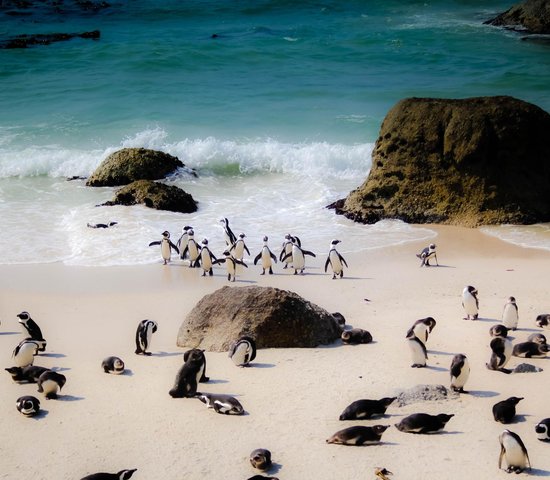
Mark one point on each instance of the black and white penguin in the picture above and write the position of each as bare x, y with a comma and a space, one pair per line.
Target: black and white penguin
260, 458
358, 435
113, 365
460, 371
231, 265
28, 374
514, 453
470, 302
501, 353
423, 423
425, 255
243, 351
505, 411
28, 405
418, 350
32, 330
498, 330
537, 338
182, 241
101, 225
50, 383
382, 473
298, 255
144, 332
422, 328
166, 247
239, 247
286, 251
530, 350
122, 475
24, 353
229, 237
335, 260
192, 249
206, 258
225, 404
543, 320
198, 353
356, 336
189, 375
267, 257
542, 430
365, 408
510, 315
339, 319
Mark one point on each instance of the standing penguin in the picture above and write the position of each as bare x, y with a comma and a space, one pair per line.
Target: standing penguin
298, 256
166, 246
510, 314
229, 236
231, 265
24, 353
266, 255
243, 351
418, 350
144, 331
189, 375
206, 259
460, 371
422, 328
335, 260
31, 328
182, 242
286, 251
513, 451
425, 255
192, 249
239, 247
501, 353
470, 302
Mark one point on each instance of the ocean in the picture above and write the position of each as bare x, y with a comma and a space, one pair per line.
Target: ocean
275, 104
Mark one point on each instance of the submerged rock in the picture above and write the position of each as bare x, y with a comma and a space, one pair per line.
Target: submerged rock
25, 41
530, 16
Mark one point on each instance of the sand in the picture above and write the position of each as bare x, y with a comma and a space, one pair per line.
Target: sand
293, 397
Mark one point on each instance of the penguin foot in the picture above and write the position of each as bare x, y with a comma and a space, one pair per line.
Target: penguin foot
263, 273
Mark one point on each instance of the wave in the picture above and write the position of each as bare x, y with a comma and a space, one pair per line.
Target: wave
526, 236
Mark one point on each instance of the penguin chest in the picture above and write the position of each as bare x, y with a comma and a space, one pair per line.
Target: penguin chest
200, 372
193, 250
470, 304
206, 260
421, 332
510, 317
298, 260
25, 356
231, 266
49, 387
418, 354
335, 261
266, 258
241, 355
239, 249
460, 380
513, 453
165, 249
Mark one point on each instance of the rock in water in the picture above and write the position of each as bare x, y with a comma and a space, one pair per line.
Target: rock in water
530, 16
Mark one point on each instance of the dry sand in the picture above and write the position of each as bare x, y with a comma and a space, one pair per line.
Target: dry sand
293, 397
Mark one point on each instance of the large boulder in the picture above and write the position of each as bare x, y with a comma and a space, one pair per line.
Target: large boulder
464, 162
130, 164
531, 16
155, 195
273, 317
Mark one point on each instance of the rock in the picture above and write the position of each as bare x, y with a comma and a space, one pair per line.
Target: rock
530, 16
131, 164
463, 162
24, 41
273, 317
155, 195
526, 368
424, 393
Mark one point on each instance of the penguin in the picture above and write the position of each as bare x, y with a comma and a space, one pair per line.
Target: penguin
422, 328
470, 302
530, 350
144, 331
113, 365
239, 247
501, 352
537, 338
192, 249
182, 242
339, 319
513, 451
298, 256
425, 255
229, 236
231, 265
101, 225
198, 353
225, 404
335, 260
542, 430
260, 458
498, 330
382, 473
418, 350
543, 320
356, 336
50, 383
358, 435
189, 375
266, 255
243, 351
510, 314
28, 374
31, 329
505, 411
365, 408
206, 258
286, 251
423, 423
24, 353
166, 247
460, 371
122, 475
28, 405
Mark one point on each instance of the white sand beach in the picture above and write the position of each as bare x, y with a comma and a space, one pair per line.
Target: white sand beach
293, 397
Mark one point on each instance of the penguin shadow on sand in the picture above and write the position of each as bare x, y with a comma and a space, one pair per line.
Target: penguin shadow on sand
52, 355
40, 415
69, 398
436, 368
164, 354
482, 393
260, 365
217, 380
10, 333
538, 472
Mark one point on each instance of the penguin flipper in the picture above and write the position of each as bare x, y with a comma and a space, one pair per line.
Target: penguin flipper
343, 260
173, 247
272, 255
240, 262
156, 242
307, 252
288, 255
326, 264
219, 260
257, 257
246, 248
502, 452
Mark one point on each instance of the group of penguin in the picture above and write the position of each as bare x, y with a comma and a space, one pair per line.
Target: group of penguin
200, 256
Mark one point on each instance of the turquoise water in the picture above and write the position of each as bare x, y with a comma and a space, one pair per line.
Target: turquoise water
260, 96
